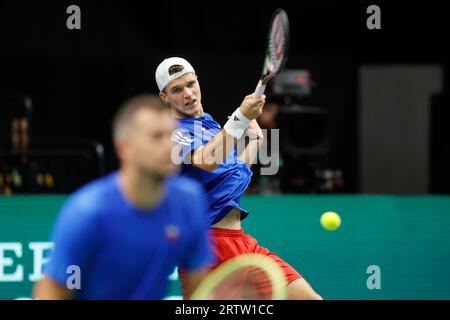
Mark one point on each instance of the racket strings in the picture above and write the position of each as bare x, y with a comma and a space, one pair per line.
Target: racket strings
247, 283
230, 288
277, 41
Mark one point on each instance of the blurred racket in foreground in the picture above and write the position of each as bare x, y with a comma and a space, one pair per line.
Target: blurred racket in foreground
245, 277
277, 48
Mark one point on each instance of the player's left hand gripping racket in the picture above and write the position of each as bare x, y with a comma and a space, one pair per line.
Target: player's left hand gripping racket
277, 48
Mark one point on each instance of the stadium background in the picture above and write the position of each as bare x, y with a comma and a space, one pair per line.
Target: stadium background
76, 79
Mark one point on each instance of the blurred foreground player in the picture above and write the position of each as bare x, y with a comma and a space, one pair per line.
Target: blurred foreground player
126, 232
209, 156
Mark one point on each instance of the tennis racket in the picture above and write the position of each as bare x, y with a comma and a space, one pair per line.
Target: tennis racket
277, 48
245, 277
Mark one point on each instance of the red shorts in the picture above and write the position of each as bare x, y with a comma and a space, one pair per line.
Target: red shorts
230, 243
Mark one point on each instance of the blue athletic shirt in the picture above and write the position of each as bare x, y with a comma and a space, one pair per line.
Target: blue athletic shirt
124, 252
226, 184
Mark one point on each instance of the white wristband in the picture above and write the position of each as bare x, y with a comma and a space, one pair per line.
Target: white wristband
237, 124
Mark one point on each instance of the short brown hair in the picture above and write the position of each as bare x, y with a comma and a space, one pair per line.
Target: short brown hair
175, 69
123, 119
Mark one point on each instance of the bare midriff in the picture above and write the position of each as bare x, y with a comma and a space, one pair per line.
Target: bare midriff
231, 221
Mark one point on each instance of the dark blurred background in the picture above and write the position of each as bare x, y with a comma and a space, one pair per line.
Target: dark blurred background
372, 119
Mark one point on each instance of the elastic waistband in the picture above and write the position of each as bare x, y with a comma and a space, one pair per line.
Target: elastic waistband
218, 232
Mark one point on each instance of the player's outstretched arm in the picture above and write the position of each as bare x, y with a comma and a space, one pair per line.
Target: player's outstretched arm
211, 155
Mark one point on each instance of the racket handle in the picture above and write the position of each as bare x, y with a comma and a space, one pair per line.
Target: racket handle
260, 88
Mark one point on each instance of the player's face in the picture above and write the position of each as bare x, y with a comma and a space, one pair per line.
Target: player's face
184, 96
150, 144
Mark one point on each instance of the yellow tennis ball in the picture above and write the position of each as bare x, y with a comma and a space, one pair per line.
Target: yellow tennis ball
330, 220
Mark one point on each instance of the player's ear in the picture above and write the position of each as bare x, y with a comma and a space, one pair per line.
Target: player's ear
121, 149
164, 97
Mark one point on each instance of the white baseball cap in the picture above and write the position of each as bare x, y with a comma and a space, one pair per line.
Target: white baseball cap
162, 76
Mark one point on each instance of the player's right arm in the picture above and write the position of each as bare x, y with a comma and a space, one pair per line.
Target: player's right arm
198, 256
75, 240
211, 155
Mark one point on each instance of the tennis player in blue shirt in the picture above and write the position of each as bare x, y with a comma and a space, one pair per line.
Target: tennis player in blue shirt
208, 154
123, 235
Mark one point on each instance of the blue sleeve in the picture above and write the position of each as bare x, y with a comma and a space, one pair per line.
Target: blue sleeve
187, 137
74, 236
199, 253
